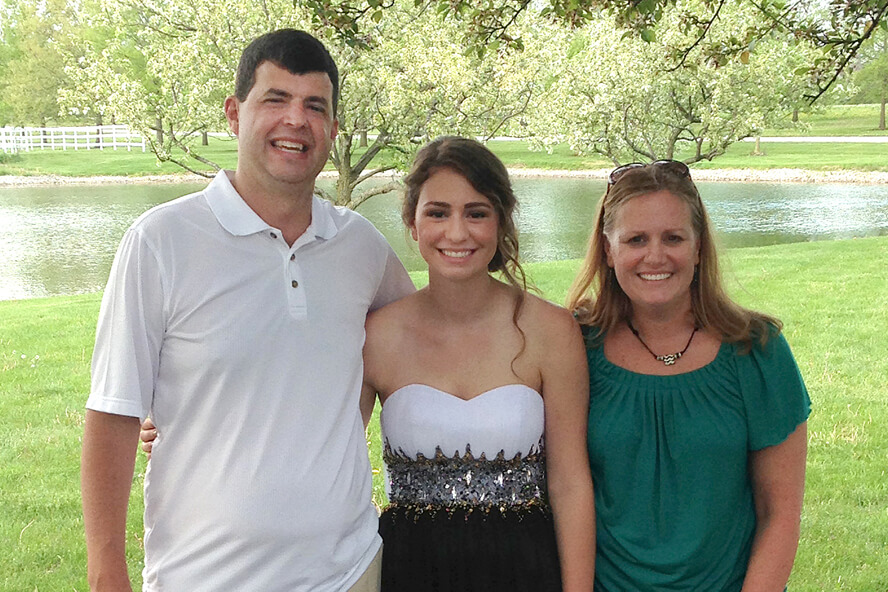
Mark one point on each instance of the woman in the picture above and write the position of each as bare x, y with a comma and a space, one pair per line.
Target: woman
697, 420
472, 373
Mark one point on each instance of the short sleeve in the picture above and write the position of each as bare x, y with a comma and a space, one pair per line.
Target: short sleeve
773, 391
395, 282
129, 332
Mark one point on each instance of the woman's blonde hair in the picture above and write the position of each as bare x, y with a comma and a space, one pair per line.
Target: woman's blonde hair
596, 297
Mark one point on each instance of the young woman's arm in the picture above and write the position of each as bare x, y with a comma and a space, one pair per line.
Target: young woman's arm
565, 377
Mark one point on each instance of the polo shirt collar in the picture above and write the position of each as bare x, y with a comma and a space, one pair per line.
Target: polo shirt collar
239, 219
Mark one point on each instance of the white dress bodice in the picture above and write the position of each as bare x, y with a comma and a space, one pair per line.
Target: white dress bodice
419, 419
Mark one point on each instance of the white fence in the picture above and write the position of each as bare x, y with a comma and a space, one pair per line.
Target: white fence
96, 137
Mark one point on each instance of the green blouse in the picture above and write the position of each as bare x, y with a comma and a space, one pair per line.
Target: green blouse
669, 455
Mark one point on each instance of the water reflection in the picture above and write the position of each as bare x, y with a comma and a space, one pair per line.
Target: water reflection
61, 240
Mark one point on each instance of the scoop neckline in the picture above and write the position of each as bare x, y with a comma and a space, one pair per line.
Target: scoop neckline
705, 367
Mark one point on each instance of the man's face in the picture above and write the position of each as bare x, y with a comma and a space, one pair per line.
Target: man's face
285, 127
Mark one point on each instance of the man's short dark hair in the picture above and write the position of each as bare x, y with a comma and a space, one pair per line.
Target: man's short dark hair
296, 51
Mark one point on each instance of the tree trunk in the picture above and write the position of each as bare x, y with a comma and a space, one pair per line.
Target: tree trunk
99, 129
363, 141
343, 167
204, 139
757, 151
158, 130
795, 115
882, 113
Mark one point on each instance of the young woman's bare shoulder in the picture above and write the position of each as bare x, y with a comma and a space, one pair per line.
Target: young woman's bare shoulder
547, 317
391, 315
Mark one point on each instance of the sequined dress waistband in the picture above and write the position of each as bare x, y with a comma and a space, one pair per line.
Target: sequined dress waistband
463, 481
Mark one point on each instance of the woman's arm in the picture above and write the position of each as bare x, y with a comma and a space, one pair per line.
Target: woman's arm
778, 485
565, 377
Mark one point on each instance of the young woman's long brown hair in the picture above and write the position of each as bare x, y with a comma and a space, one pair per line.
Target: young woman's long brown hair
489, 177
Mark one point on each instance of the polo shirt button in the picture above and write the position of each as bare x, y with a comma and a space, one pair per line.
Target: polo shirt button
273, 235
294, 283
293, 257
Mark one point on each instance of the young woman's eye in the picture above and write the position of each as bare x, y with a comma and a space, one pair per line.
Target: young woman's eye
479, 214
435, 213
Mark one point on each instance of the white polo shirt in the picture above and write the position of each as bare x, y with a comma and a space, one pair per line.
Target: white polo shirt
246, 352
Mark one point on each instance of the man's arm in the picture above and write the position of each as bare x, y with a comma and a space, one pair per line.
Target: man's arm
106, 477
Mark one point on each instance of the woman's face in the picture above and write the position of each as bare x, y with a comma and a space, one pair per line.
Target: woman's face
455, 226
653, 250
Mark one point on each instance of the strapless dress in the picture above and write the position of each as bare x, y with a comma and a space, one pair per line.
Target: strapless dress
466, 481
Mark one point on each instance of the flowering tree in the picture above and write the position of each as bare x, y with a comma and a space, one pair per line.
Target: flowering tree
838, 28
619, 97
166, 67
873, 74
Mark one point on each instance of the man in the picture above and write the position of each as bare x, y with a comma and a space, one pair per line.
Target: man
234, 316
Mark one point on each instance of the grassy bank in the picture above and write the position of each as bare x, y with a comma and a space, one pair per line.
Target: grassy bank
835, 120
839, 120
833, 297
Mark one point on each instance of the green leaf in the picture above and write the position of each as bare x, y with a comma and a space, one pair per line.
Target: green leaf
648, 35
576, 46
646, 6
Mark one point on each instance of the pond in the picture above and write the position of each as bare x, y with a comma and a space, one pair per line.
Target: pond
61, 240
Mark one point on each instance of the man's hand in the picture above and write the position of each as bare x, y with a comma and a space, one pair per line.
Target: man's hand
147, 435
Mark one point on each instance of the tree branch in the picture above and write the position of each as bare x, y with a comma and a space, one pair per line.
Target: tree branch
364, 196
702, 36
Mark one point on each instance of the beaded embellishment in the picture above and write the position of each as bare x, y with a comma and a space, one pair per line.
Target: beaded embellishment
464, 482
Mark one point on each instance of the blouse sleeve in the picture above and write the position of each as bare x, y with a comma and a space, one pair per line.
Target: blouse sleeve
774, 393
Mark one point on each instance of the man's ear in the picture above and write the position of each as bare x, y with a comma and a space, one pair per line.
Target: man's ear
231, 113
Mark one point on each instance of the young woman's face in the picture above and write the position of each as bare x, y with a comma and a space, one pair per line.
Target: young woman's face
455, 226
653, 250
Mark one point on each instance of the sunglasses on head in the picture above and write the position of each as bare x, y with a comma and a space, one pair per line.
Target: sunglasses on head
675, 167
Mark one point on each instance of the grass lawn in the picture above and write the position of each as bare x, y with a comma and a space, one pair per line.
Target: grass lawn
831, 121
825, 157
797, 155
835, 120
833, 297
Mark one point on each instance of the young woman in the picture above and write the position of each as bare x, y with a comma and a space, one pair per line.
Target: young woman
484, 394
697, 420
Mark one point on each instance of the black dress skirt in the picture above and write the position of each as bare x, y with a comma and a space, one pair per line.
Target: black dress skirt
459, 524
